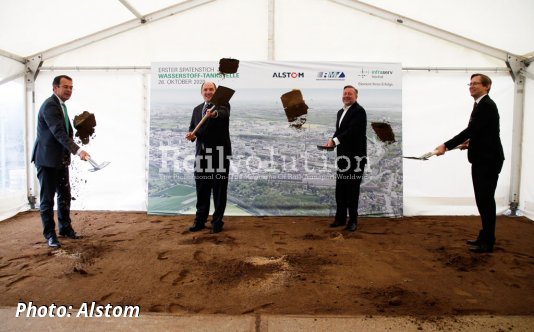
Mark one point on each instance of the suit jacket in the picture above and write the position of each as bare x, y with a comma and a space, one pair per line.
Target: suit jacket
483, 134
352, 132
54, 142
214, 132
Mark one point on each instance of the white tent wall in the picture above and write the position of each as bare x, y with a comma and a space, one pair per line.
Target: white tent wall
437, 106
119, 102
304, 30
13, 192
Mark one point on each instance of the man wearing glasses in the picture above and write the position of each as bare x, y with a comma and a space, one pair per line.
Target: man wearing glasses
51, 155
485, 153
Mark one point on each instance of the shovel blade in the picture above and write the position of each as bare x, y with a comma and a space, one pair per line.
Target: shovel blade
97, 167
416, 158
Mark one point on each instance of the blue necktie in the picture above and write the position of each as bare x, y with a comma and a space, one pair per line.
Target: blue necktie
205, 109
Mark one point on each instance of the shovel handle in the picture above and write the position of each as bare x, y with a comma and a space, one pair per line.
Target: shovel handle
204, 118
435, 152
92, 162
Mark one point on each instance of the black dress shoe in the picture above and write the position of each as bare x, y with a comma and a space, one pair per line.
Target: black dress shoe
337, 224
196, 227
71, 234
473, 242
53, 242
217, 227
481, 248
351, 227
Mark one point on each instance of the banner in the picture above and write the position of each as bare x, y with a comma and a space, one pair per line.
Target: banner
276, 168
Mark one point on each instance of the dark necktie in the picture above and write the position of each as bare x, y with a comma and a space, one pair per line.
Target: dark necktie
472, 112
206, 107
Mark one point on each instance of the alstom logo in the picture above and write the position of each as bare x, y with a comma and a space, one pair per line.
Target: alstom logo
288, 75
331, 75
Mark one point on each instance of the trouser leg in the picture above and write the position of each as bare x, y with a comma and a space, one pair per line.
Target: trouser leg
63, 200
48, 181
485, 177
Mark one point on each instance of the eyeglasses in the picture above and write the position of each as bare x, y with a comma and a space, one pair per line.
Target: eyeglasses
474, 83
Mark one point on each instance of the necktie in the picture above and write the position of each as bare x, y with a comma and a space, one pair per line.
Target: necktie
66, 116
473, 111
206, 106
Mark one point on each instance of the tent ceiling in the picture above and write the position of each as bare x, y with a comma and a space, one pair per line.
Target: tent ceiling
505, 25
32, 26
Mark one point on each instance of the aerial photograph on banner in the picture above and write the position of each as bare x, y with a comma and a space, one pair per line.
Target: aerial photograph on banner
276, 167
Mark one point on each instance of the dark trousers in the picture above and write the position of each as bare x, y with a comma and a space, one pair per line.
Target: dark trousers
348, 191
54, 181
208, 181
485, 176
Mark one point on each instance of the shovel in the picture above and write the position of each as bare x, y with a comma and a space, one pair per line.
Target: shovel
96, 166
423, 157
427, 155
221, 96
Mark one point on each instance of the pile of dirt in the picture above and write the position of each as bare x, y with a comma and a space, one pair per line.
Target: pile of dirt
85, 124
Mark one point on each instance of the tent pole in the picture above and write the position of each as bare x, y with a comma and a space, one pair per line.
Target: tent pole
270, 31
33, 66
517, 68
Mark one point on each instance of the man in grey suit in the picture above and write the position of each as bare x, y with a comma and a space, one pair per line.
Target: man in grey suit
51, 155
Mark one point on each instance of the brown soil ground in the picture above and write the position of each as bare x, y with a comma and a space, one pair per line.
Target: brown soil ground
416, 266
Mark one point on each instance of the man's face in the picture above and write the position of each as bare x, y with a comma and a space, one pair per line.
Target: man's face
64, 89
208, 89
476, 88
349, 96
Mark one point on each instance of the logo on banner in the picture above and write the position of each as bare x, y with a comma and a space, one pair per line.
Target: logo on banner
363, 73
379, 73
330, 76
288, 75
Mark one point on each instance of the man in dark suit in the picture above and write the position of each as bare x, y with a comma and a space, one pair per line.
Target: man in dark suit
212, 163
51, 155
351, 142
485, 153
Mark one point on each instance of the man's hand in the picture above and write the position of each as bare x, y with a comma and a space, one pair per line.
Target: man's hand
330, 143
84, 155
464, 145
441, 149
190, 136
212, 114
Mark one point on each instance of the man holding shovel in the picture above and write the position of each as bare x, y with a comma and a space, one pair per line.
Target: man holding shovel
51, 155
485, 153
212, 163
